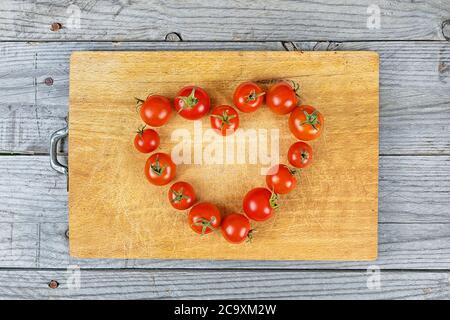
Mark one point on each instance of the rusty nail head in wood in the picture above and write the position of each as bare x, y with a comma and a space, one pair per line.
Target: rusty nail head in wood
53, 284
56, 26
48, 81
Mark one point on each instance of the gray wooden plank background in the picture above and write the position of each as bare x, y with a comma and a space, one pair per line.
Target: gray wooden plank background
215, 20
414, 89
210, 284
414, 193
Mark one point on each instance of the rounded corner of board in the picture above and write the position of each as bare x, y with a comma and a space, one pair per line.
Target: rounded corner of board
374, 55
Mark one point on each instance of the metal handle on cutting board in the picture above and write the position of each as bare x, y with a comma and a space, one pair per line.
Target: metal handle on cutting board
54, 139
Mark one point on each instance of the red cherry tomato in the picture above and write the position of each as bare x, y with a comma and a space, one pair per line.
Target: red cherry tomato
160, 169
155, 110
300, 154
224, 120
204, 217
306, 123
192, 102
181, 195
259, 204
281, 179
282, 97
146, 140
236, 228
248, 97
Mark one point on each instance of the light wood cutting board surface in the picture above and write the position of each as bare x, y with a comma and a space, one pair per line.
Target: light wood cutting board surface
115, 212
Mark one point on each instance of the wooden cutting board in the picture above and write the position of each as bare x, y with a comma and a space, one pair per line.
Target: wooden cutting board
114, 211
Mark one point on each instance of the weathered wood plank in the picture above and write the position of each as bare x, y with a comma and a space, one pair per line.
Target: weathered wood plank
411, 190
414, 94
223, 20
401, 246
30, 109
19, 244
116, 178
414, 189
414, 90
33, 193
413, 231
122, 284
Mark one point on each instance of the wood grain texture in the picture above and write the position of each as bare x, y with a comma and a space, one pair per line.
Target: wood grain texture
122, 284
408, 246
414, 117
19, 245
34, 192
223, 20
30, 110
408, 73
413, 231
414, 89
37, 194
413, 191
115, 213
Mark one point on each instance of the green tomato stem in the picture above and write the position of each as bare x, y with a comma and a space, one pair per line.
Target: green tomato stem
140, 130
253, 96
205, 224
312, 119
296, 87
273, 200
224, 117
190, 101
156, 167
179, 196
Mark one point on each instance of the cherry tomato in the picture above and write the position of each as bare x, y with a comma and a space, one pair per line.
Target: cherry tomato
204, 217
155, 110
236, 228
224, 120
192, 102
259, 204
282, 97
248, 97
160, 169
306, 123
146, 140
181, 195
300, 154
281, 179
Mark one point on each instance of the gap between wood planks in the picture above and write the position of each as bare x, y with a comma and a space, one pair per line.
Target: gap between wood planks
258, 20
225, 41
290, 45
226, 269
